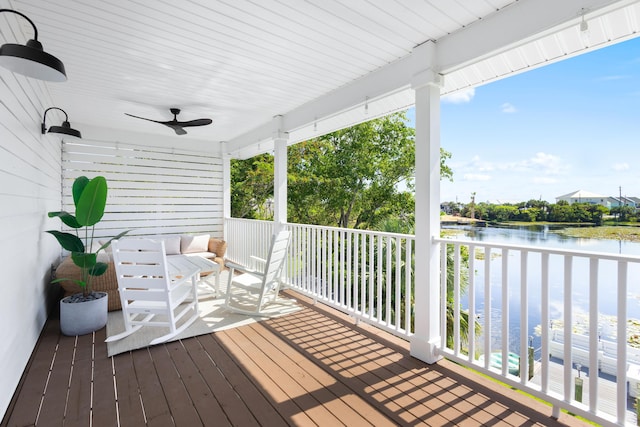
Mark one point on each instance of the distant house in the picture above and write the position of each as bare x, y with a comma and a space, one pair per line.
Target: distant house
582, 196
615, 202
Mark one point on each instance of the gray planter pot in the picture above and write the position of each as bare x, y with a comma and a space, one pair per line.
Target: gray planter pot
79, 318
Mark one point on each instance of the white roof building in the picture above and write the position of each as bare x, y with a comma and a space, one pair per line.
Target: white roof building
582, 196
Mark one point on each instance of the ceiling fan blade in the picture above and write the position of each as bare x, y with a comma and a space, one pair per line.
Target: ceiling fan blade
144, 118
177, 128
197, 122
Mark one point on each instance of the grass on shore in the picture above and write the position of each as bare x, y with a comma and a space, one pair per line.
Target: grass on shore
612, 232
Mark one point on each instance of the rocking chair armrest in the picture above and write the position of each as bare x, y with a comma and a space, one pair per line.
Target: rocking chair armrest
233, 266
260, 263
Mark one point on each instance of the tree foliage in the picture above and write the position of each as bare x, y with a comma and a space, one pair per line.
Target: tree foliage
534, 210
354, 177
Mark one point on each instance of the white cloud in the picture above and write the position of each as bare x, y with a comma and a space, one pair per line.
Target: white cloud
460, 97
541, 164
620, 167
476, 177
613, 77
544, 180
508, 108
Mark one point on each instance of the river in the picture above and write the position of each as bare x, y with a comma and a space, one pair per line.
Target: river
543, 235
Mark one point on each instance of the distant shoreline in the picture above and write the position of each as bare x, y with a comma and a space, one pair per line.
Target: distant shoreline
627, 232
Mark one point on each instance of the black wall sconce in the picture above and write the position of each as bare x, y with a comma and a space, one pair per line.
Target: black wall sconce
31, 60
64, 129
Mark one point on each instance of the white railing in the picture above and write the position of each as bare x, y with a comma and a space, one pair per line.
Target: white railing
509, 290
366, 274
344, 268
246, 238
508, 285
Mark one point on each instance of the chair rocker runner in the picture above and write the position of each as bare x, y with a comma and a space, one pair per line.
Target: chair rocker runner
250, 292
149, 296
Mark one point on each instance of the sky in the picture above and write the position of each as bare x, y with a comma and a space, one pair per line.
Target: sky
573, 125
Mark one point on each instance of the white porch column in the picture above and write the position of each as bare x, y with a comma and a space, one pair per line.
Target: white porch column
279, 174
226, 190
426, 83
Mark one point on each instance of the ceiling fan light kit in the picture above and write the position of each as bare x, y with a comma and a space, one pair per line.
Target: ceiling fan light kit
175, 124
30, 59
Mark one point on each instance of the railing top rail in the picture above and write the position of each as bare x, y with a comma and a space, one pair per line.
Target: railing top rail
353, 230
546, 249
247, 220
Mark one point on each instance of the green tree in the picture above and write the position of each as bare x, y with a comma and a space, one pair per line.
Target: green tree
624, 213
353, 176
251, 186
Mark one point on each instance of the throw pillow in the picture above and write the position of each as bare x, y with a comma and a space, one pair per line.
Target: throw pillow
193, 244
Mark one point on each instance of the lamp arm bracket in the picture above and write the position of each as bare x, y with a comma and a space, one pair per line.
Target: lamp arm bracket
35, 30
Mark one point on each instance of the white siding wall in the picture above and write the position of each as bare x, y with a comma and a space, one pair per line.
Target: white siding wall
29, 188
152, 190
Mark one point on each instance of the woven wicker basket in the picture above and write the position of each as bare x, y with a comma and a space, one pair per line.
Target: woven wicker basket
106, 283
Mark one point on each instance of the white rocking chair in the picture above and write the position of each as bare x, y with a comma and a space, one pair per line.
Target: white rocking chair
149, 296
248, 293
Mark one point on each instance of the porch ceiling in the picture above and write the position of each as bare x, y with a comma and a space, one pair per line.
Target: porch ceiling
315, 62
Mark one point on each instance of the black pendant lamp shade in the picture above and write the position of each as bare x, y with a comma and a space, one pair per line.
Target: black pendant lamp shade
30, 60
64, 129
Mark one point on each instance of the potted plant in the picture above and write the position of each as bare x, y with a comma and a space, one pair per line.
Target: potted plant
84, 312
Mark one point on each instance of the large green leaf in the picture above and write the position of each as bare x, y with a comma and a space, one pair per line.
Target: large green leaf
90, 207
66, 217
68, 241
78, 187
99, 269
84, 261
106, 245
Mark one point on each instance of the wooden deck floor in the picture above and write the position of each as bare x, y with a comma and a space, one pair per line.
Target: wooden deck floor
313, 367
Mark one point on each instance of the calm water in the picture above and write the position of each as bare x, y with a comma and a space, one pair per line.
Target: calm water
544, 236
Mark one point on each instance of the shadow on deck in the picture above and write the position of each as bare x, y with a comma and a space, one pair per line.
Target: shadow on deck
313, 367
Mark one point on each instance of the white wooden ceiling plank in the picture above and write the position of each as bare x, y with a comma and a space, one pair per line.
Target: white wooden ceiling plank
153, 55
482, 8
420, 16
378, 12
309, 28
280, 24
329, 12
156, 46
245, 35
366, 21
453, 14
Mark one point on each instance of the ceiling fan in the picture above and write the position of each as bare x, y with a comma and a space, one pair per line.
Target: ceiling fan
175, 124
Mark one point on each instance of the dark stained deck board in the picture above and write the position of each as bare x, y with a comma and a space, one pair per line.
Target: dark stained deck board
54, 403
332, 394
25, 411
305, 401
104, 396
182, 410
348, 355
312, 367
297, 382
154, 401
78, 408
201, 396
245, 404
129, 408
